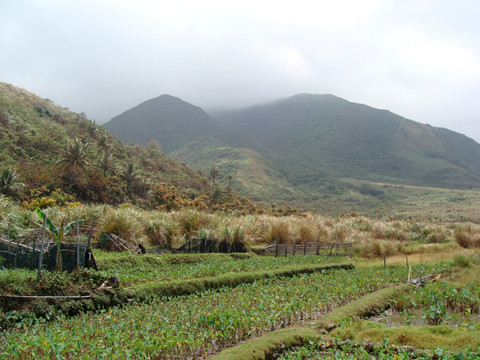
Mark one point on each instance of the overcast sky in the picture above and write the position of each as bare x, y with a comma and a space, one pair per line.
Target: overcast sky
417, 58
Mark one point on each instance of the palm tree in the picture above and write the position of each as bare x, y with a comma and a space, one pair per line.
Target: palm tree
214, 175
74, 158
216, 194
76, 154
103, 143
106, 164
130, 175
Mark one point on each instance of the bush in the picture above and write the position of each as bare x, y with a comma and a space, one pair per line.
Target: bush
161, 232
122, 223
278, 230
467, 236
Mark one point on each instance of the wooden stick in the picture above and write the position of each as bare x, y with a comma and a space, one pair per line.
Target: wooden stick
423, 278
276, 247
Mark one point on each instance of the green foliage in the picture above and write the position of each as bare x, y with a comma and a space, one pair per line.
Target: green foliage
440, 300
349, 350
9, 182
37, 145
194, 324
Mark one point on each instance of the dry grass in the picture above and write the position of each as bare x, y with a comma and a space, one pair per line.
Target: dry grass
468, 235
371, 237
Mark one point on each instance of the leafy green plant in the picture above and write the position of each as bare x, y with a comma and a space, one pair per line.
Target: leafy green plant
58, 233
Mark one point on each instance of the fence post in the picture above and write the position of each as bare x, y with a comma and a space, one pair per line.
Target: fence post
318, 244
336, 245
294, 245
384, 260
78, 245
33, 253
90, 233
331, 249
16, 252
406, 257
9, 232
276, 247
189, 245
42, 245
286, 249
305, 248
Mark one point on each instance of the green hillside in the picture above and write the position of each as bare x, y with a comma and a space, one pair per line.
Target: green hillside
55, 153
315, 152
324, 133
252, 173
173, 123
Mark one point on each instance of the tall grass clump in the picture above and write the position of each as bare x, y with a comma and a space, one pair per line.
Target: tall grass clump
467, 236
123, 222
191, 221
278, 230
235, 234
161, 231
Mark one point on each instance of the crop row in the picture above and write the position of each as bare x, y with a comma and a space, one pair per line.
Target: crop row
349, 351
130, 269
440, 299
195, 325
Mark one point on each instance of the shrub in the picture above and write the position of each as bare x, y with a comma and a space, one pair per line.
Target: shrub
467, 236
161, 232
191, 221
122, 223
278, 230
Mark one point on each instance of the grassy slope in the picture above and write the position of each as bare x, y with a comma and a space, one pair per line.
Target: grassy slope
254, 174
35, 139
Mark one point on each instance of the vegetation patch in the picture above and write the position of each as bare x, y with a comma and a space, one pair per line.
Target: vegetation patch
368, 305
269, 344
422, 337
199, 324
348, 350
185, 287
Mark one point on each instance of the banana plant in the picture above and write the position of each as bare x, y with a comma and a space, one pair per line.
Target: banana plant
58, 234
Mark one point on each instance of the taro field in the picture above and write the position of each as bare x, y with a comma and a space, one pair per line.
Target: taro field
131, 269
200, 325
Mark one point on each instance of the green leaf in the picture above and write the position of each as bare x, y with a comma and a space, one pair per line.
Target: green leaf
51, 228
69, 227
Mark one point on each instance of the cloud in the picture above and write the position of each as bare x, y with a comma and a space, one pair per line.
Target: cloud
419, 58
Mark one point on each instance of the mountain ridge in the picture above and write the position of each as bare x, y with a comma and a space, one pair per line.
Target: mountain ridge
310, 142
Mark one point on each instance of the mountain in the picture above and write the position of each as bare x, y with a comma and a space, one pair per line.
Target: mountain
173, 123
312, 134
60, 154
314, 151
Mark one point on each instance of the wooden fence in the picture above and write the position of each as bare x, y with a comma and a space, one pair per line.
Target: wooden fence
336, 249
